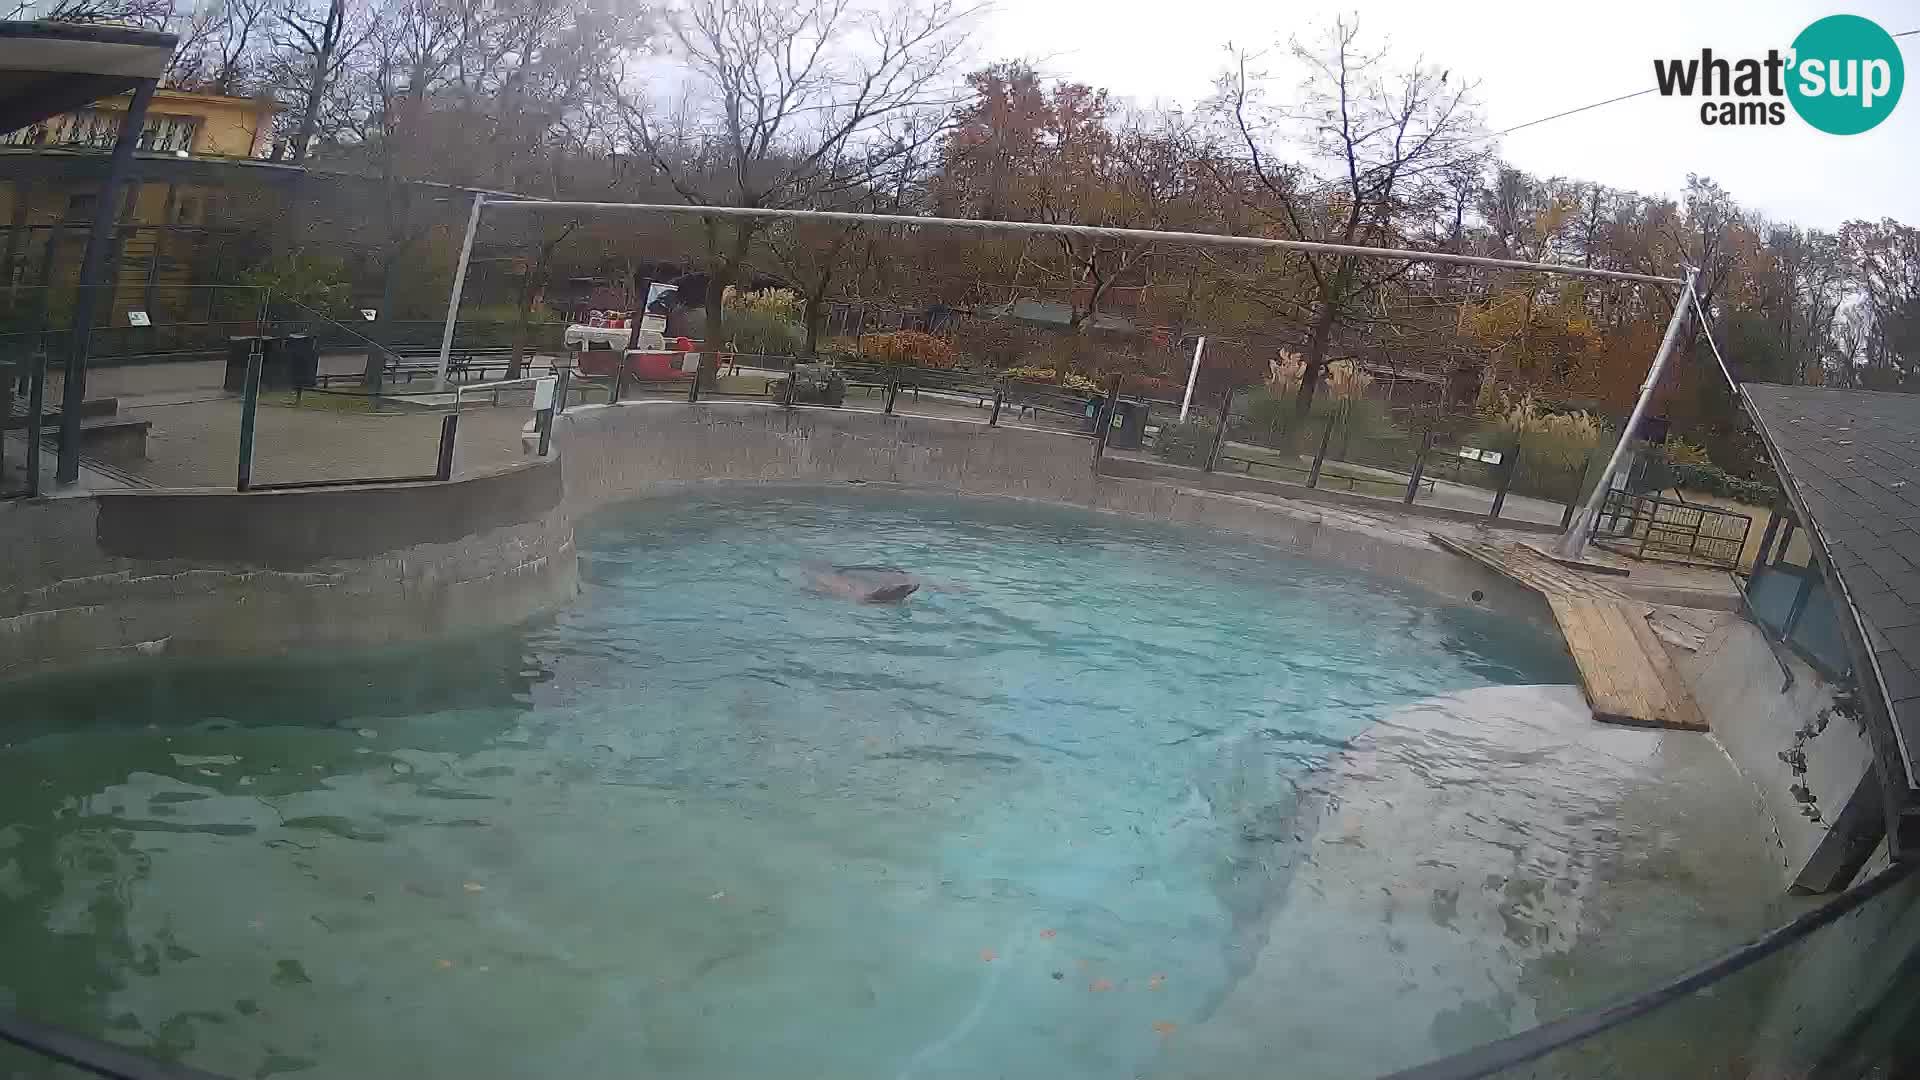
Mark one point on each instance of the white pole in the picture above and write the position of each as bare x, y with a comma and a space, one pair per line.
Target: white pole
1575, 541
459, 283
1192, 374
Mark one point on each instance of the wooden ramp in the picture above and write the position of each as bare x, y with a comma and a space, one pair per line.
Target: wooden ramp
1625, 670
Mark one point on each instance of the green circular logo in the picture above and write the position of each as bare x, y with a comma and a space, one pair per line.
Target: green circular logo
1846, 74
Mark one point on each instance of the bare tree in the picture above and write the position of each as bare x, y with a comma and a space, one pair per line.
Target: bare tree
148, 14
220, 45
782, 106
1379, 147
314, 42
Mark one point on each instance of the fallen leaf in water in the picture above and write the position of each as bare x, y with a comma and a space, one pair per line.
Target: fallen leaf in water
1100, 986
474, 886
1048, 933
1156, 982
1163, 1027
718, 896
443, 964
989, 955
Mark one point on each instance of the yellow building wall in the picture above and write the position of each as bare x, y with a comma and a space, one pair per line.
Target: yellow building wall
229, 127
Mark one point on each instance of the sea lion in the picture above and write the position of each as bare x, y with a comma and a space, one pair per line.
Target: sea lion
863, 584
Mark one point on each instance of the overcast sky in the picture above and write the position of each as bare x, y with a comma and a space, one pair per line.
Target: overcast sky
1529, 65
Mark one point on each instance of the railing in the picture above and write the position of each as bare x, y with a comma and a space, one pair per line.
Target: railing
1688, 532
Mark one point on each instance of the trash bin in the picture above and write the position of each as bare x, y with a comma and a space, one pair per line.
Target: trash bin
1127, 427
302, 354
238, 350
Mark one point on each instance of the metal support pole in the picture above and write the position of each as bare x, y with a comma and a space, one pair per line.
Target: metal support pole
999, 395
1506, 481
1574, 543
1220, 432
36, 407
106, 214
449, 428
1573, 504
1766, 541
1103, 420
249, 408
1193, 373
893, 387
1419, 467
786, 399
563, 384
545, 424
1326, 440
459, 285
699, 373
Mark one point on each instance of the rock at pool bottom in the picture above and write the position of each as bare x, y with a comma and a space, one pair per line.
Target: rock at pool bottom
1482, 862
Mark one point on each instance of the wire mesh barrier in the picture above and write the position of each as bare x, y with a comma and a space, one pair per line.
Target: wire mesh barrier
1435, 461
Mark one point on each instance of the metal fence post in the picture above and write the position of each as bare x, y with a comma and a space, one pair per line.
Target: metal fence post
249, 407
893, 386
449, 425
1506, 480
1766, 541
793, 372
563, 383
1103, 420
1220, 430
1579, 489
36, 408
999, 395
1326, 439
1419, 467
699, 372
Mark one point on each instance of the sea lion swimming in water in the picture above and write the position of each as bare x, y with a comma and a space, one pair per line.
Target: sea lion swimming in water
863, 584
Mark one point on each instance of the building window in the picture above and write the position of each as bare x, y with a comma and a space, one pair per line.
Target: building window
80, 207
97, 129
168, 134
31, 135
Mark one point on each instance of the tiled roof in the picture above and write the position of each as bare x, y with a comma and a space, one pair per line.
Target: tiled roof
1852, 462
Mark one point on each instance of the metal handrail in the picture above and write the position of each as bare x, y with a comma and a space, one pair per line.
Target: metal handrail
496, 386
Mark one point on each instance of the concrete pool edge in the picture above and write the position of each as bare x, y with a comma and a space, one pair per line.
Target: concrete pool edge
642, 449
98, 577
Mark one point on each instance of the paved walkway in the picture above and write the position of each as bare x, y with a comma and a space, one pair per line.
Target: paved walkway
195, 438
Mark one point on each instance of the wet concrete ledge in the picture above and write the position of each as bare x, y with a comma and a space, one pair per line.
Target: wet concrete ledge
90, 578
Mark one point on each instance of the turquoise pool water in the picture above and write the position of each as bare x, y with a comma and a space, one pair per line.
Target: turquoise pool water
709, 823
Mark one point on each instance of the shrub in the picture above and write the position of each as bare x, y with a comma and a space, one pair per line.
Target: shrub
1073, 380
1681, 452
763, 333
316, 283
1710, 479
1554, 447
909, 347
784, 303
1341, 379
1185, 444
